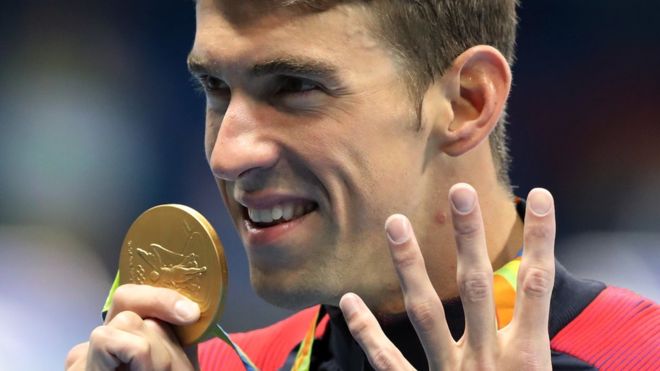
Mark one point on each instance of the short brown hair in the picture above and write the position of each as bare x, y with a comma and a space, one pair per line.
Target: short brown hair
428, 35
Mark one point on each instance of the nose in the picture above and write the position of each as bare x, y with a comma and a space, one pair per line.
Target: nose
242, 144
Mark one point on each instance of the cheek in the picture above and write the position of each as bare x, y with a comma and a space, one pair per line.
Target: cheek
211, 128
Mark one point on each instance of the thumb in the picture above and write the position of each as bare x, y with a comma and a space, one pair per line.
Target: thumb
154, 302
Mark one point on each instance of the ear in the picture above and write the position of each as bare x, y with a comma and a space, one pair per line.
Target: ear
477, 85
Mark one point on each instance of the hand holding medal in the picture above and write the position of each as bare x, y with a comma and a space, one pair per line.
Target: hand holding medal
175, 247
170, 247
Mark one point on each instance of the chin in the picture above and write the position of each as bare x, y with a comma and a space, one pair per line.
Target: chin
293, 293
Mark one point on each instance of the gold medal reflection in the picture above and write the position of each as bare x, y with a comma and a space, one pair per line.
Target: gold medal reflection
175, 247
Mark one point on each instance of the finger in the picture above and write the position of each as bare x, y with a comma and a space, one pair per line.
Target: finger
170, 350
160, 329
127, 321
537, 268
131, 322
474, 270
165, 350
154, 302
422, 302
76, 355
364, 327
111, 347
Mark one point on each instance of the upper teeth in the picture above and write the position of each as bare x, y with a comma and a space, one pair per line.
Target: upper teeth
287, 211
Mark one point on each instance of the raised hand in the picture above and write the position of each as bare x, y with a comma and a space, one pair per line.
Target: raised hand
522, 345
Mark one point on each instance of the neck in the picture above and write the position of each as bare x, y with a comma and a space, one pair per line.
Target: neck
434, 230
504, 231
430, 216
504, 238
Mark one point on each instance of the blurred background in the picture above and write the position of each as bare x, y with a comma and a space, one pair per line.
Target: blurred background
98, 122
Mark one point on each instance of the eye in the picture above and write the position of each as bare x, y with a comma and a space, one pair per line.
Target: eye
296, 85
213, 85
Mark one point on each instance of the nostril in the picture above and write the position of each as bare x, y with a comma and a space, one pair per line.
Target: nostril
239, 157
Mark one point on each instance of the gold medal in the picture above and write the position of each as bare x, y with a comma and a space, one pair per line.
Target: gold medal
175, 247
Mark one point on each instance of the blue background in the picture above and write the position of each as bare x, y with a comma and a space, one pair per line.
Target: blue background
99, 121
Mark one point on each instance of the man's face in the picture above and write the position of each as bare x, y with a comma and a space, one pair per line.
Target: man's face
314, 141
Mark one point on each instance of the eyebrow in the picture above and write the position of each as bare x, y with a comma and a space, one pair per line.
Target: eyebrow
277, 66
294, 66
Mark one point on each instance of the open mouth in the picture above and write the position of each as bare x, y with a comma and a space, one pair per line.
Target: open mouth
278, 214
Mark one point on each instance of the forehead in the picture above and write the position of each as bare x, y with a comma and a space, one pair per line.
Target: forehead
237, 34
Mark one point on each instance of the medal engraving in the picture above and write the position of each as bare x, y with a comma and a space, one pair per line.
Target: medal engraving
159, 266
175, 247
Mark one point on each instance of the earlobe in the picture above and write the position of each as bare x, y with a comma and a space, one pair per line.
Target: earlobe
477, 84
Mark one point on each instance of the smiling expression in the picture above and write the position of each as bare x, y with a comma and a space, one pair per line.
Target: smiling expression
314, 141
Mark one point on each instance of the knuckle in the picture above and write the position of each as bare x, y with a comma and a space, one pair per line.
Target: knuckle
127, 320
142, 351
359, 326
423, 314
142, 348
530, 362
76, 353
466, 229
486, 366
157, 328
534, 355
451, 361
70, 359
381, 359
98, 335
539, 231
475, 286
481, 361
151, 325
405, 258
121, 296
537, 282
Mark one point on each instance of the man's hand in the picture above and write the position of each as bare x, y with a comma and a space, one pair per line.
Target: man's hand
136, 334
522, 345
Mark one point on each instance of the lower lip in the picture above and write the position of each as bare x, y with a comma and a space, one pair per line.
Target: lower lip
271, 235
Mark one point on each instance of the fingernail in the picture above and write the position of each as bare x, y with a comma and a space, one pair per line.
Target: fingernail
540, 201
397, 228
186, 310
463, 199
349, 304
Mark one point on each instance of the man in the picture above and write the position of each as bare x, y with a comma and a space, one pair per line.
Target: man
326, 120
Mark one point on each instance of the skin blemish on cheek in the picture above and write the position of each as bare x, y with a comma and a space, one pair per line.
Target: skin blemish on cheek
441, 217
